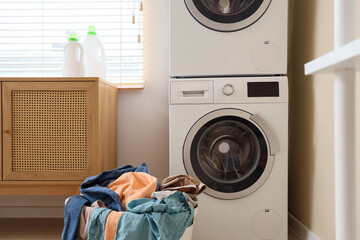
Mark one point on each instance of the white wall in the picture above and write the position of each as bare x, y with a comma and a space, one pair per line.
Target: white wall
143, 114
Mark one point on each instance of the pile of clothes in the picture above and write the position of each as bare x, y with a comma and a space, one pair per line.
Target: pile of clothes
129, 203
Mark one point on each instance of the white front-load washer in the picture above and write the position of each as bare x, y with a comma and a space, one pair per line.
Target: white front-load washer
232, 134
228, 37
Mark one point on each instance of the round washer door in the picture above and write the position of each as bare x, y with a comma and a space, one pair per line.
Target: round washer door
227, 15
229, 153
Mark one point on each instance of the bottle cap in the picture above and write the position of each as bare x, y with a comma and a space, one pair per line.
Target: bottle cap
73, 37
91, 30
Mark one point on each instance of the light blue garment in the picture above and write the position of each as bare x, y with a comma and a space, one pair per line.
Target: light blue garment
96, 229
150, 219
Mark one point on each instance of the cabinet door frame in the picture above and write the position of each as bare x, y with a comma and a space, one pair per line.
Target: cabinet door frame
1, 149
7, 87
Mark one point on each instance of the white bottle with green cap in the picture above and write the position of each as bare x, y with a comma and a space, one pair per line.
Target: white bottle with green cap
94, 55
74, 58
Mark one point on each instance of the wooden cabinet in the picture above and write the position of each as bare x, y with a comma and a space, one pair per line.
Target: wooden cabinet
55, 133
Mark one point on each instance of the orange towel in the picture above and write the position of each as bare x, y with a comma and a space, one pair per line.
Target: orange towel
133, 185
111, 224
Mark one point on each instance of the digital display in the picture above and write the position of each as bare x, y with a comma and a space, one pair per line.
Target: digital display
263, 89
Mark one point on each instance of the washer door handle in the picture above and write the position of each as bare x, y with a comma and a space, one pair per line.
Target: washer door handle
269, 133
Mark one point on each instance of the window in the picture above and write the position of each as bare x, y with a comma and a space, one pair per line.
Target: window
33, 34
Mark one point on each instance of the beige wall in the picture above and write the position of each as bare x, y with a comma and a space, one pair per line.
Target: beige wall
311, 121
311, 165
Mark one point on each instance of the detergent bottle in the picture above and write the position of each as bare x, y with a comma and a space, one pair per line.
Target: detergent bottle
74, 58
94, 55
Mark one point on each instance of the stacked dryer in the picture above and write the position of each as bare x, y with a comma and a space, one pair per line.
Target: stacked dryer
228, 112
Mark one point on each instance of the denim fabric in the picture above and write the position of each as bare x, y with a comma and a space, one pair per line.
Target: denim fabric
96, 230
72, 212
95, 187
153, 219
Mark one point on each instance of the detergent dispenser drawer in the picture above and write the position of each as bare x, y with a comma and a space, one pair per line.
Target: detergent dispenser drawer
191, 92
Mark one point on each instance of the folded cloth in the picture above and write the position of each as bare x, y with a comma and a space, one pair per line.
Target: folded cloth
183, 183
72, 213
153, 219
133, 185
95, 187
85, 217
97, 222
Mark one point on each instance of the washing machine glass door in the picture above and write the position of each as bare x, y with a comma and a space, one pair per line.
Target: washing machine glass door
227, 15
228, 152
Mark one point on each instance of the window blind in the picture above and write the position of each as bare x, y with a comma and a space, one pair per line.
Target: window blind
33, 34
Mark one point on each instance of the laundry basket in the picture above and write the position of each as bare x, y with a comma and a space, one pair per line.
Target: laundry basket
189, 230
136, 189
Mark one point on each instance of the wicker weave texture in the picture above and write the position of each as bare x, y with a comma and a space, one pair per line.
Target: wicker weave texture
49, 130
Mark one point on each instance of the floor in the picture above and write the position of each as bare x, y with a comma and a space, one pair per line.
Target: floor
30, 228
292, 236
39, 229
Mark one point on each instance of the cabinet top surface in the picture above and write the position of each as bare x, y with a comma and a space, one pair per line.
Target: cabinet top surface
55, 79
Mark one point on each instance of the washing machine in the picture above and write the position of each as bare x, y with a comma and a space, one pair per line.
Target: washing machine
228, 37
231, 133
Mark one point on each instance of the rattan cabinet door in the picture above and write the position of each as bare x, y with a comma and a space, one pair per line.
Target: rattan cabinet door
47, 130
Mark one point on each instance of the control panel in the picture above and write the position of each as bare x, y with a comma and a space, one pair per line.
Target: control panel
229, 90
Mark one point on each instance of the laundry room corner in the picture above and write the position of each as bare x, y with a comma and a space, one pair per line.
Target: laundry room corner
225, 101
311, 119
143, 134
311, 156
143, 114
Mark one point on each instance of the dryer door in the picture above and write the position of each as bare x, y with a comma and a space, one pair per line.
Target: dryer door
227, 15
230, 152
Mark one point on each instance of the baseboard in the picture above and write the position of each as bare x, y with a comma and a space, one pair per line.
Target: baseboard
302, 231
31, 212
32, 206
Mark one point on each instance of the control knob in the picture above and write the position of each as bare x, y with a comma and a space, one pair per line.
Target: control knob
228, 89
